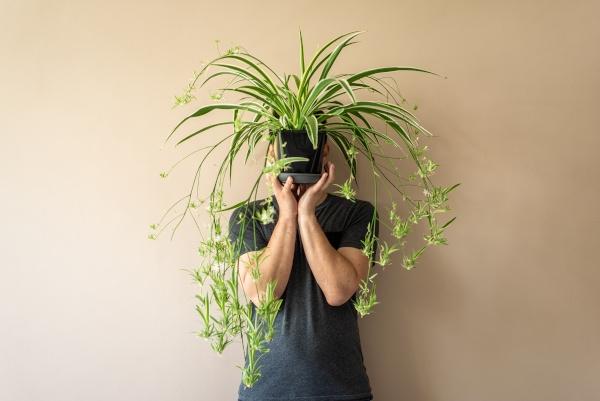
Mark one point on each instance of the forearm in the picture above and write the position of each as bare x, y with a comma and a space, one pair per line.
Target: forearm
333, 272
275, 262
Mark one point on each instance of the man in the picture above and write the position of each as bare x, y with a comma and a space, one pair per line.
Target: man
313, 250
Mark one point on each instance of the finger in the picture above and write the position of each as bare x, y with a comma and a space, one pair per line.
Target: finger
302, 189
288, 183
321, 182
277, 187
331, 174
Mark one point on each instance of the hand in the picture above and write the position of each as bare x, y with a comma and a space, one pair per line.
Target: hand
288, 205
314, 193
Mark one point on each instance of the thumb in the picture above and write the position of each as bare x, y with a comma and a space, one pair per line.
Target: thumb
274, 182
288, 183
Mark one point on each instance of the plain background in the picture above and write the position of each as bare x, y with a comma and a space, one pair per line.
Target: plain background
90, 309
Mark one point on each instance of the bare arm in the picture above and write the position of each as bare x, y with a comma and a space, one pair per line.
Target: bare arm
274, 261
337, 274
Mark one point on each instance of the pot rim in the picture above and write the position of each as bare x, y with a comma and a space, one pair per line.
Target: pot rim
300, 131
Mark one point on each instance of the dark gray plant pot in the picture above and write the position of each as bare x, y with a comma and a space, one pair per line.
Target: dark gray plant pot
298, 144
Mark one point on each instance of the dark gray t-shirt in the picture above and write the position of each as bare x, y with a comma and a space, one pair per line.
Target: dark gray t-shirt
315, 353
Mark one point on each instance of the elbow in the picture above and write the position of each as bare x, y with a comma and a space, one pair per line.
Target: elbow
340, 297
254, 299
257, 297
258, 301
336, 299
335, 302
251, 293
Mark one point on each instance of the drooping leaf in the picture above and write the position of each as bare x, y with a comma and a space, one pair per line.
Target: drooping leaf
379, 70
334, 55
347, 88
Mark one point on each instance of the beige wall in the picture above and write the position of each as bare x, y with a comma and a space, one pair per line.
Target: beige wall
92, 310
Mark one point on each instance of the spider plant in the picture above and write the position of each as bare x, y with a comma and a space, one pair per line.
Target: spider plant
341, 105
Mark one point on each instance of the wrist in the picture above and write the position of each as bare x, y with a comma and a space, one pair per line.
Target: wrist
306, 217
288, 218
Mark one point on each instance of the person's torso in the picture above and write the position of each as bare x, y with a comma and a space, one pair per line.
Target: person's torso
315, 353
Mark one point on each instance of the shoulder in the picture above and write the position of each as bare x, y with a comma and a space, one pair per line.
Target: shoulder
365, 209
352, 212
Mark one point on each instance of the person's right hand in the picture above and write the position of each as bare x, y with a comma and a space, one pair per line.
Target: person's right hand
286, 199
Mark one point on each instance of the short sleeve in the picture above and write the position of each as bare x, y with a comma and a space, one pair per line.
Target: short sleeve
245, 231
357, 227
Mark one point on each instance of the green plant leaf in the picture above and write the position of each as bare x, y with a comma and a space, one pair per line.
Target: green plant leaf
373, 71
311, 104
447, 190
312, 129
207, 109
301, 56
347, 88
193, 134
334, 55
310, 70
449, 222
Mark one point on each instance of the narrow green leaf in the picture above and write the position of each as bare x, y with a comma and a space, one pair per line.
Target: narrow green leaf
310, 104
205, 110
448, 223
451, 188
296, 80
257, 69
312, 127
310, 70
301, 54
374, 71
334, 55
193, 134
347, 88
232, 206
343, 144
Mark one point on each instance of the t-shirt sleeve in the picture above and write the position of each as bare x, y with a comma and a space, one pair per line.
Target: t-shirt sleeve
356, 230
245, 230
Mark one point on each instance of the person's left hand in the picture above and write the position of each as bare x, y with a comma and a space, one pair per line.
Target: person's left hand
310, 195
